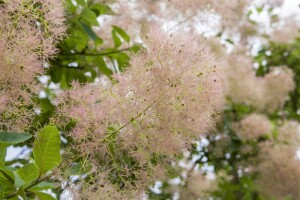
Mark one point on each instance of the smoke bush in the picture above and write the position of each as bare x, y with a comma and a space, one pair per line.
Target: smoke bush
29, 30
166, 99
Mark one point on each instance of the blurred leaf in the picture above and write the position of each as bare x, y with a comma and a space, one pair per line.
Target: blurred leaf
80, 168
44, 196
21, 192
101, 9
121, 33
81, 2
90, 33
89, 16
116, 39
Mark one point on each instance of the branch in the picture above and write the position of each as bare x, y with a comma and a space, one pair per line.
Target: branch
39, 180
95, 54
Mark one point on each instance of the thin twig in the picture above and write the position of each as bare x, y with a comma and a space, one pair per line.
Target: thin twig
95, 54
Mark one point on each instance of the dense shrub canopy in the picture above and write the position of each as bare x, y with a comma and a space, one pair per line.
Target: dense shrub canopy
149, 99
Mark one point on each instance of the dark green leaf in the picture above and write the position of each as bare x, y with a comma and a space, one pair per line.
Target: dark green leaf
90, 33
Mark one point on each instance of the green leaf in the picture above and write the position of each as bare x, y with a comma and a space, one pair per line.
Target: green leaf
90, 17
77, 40
44, 196
46, 149
100, 63
122, 60
101, 9
2, 156
122, 33
135, 48
42, 186
21, 192
6, 187
28, 173
81, 2
8, 174
229, 41
90, 33
116, 39
10, 138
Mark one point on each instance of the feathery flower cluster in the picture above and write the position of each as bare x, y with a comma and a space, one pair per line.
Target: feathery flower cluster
286, 30
29, 29
253, 126
165, 100
194, 15
232, 11
267, 93
289, 133
197, 186
279, 172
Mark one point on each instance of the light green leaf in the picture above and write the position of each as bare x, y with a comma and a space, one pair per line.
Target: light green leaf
28, 173
81, 2
121, 33
8, 174
9, 138
116, 39
6, 187
101, 9
46, 149
44, 196
21, 192
90, 17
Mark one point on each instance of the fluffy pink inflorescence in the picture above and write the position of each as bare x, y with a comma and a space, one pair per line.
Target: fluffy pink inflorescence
289, 133
253, 126
279, 173
29, 30
278, 168
286, 29
163, 101
267, 93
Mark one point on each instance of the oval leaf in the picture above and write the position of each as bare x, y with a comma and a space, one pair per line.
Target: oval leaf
9, 138
44, 196
46, 149
28, 173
